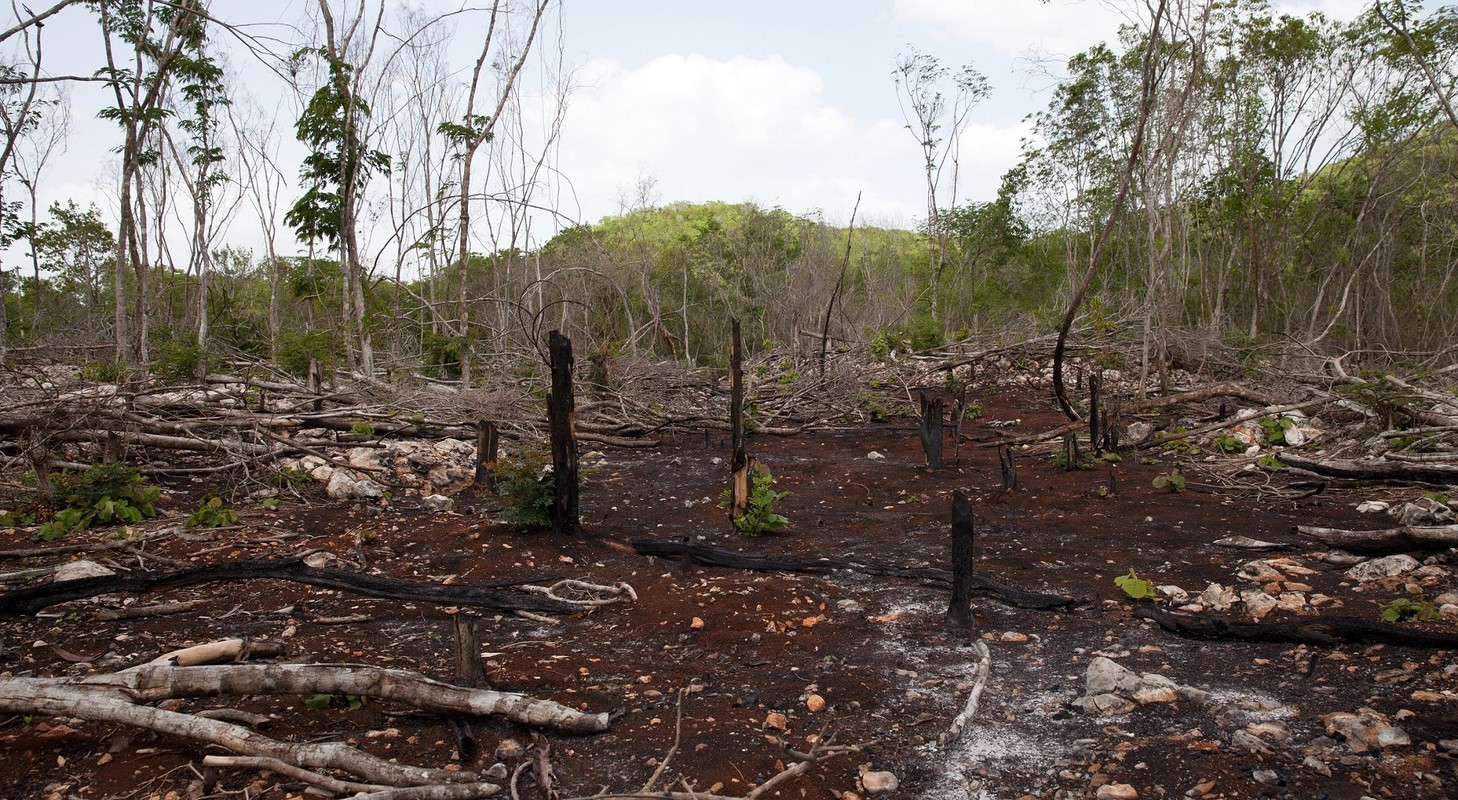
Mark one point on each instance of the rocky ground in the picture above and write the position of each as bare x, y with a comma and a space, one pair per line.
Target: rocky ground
1090, 701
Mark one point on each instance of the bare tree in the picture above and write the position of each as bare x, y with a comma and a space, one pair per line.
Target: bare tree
937, 120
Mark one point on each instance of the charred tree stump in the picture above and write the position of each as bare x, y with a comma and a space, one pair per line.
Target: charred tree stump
566, 515
487, 444
931, 430
1072, 455
1009, 464
471, 675
959, 413
740, 464
1095, 382
959, 611
315, 382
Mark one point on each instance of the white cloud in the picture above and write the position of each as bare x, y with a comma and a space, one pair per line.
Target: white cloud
1018, 27
749, 129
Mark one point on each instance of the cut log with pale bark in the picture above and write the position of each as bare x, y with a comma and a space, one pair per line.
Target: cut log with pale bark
1376, 470
1405, 539
35, 598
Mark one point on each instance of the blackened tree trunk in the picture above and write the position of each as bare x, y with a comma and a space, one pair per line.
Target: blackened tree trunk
959, 611
566, 517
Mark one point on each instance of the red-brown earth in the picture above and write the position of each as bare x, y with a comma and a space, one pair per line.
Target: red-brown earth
876, 649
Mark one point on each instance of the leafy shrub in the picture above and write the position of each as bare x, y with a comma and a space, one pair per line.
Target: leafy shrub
524, 484
103, 371
362, 428
442, 355
295, 350
1226, 443
212, 514
101, 495
179, 358
759, 514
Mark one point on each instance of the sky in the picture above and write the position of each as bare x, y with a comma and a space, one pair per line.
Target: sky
785, 103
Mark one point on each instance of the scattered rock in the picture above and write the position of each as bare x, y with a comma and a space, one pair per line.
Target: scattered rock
438, 503
498, 772
815, 703
875, 456
344, 486
75, 570
697, 623
1106, 675
509, 750
774, 720
1105, 705
1423, 511
1373, 506
1316, 765
1257, 603
1267, 777
1385, 567
1217, 597
1364, 730
1116, 791
879, 782
1013, 637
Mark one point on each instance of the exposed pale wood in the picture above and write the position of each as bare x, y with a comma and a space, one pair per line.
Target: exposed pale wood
1376, 470
60, 698
1387, 540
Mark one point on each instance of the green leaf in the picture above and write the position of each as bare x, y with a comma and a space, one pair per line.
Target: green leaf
318, 702
1136, 587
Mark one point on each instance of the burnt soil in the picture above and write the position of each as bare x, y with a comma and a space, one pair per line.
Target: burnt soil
891, 673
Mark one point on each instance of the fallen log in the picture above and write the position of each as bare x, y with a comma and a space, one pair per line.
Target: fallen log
150, 683
1445, 474
35, 598
1402, 539
1320, 630
719, 557
51, 697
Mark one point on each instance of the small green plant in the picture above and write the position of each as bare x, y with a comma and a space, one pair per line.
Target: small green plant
524, 484
1436, 497
101, 495
875, 408
1136, 587
759, 513
1227, 443
362, 428
292, 478
212, 514
789, 376
1413, 607
1276, 429
973, 410
1170, 481
1269, 461
270, 503
880, 344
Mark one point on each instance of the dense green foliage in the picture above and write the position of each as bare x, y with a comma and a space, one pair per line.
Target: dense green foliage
1296, 188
